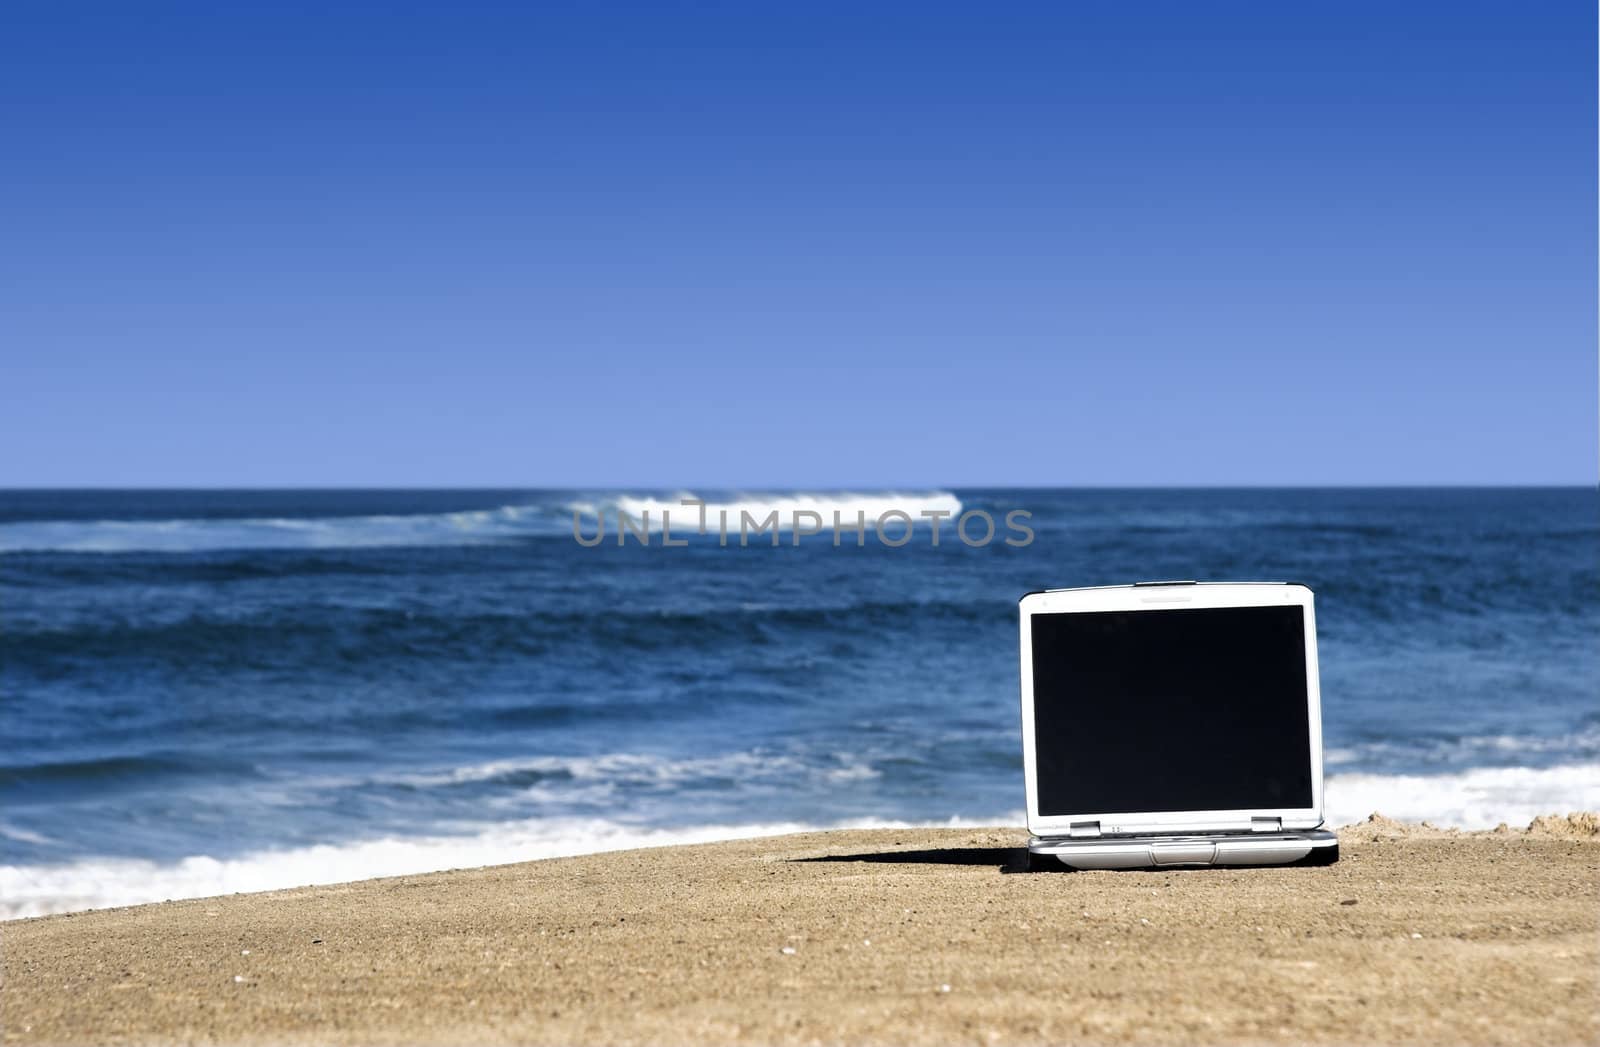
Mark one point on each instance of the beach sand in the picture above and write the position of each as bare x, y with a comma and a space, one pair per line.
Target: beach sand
886, 936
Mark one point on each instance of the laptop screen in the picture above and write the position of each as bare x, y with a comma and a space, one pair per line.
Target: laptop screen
1192, 709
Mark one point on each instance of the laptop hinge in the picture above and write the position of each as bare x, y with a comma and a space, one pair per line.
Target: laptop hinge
1081, 830
1266, 825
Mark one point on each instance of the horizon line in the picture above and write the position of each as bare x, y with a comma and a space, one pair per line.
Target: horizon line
810, 488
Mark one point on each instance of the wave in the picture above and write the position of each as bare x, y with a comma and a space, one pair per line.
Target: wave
129, 767
644, 769
468, 527
851, 508
1480, 798
38, 890
1582, 743
505, 523
338, 639
1476, 799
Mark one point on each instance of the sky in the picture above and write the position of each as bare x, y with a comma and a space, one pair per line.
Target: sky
798, 245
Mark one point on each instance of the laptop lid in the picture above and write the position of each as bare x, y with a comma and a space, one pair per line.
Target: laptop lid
1171, 707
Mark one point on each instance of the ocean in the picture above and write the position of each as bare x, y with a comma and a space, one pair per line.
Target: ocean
204, 692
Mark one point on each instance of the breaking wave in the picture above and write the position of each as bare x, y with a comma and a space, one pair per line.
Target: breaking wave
852, 508
1476, 799
37, 890
1440, 754
469, 527
505, 523
1480, 798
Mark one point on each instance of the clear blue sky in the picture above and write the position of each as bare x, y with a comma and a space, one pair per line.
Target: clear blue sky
805, 245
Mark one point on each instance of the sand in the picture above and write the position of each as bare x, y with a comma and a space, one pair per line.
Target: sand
887, 936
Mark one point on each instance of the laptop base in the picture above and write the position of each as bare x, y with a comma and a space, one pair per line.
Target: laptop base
1314, 847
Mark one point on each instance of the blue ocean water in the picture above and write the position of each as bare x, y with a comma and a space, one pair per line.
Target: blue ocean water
207, 691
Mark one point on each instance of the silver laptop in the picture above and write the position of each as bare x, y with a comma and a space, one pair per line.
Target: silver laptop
1173, 723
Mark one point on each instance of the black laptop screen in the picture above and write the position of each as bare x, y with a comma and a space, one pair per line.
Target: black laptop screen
1194, 709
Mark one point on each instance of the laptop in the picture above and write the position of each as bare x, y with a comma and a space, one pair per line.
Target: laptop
1171, 724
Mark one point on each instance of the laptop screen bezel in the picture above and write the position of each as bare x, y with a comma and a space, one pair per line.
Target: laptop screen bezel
1159, 598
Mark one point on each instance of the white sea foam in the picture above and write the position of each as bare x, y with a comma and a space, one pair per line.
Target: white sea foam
468, 527
465, 527
1480, 798
98, 883
852, 507
1472, 749
1474, 799
607, 766
647, 769
21, 835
